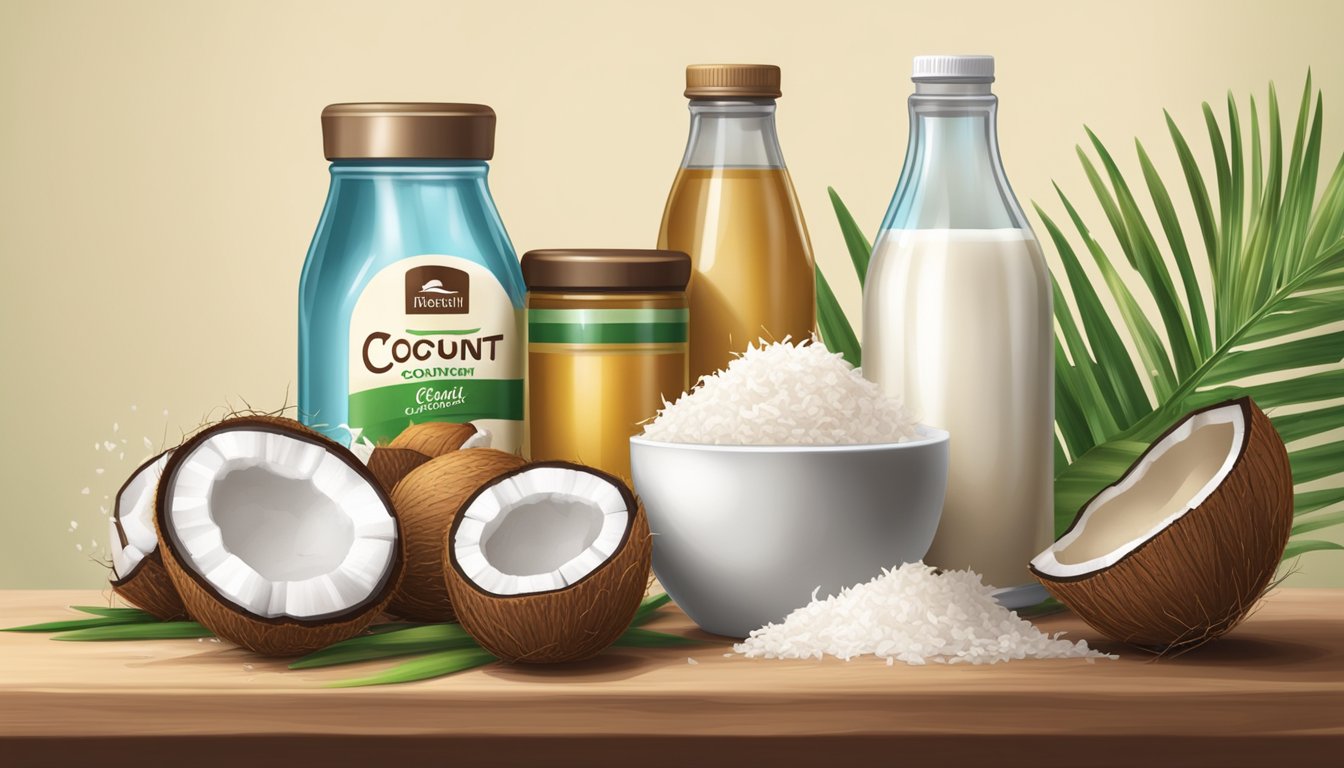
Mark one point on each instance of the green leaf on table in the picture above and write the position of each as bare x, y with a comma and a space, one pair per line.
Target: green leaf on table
124, 613
70, 625
424, 668
647, 638
392, 626
153, 630
648, 609
425, 638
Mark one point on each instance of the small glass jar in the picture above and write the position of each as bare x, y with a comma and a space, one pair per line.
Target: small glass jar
607, 344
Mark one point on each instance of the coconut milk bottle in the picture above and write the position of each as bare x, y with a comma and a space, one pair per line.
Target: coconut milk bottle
957, 322
411, 300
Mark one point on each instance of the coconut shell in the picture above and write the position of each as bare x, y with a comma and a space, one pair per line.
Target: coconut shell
390, 465
278, 636
434, 438
427, 500
1200, 576
150, 588
564, 625
147, 586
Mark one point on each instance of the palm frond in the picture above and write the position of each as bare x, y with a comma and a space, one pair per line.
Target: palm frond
1275, 256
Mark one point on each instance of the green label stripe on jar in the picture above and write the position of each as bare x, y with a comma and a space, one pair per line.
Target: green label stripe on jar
384, 412
607, 326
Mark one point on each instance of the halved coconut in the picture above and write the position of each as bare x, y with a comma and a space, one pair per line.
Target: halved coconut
138, 575
548, 563
426, 500
436, 438
276, 538
1181, 547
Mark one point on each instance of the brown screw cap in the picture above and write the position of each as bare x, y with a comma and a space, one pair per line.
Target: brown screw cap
732, 81
599, 270
413, 130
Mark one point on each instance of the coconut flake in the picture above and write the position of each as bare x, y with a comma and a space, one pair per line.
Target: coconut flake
784, 394
914, 615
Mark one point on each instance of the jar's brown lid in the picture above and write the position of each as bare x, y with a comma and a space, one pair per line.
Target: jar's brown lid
732, 81
606, 270
412, 130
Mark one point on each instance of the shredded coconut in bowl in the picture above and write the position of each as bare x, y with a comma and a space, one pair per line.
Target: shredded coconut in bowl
914, 615
784, 394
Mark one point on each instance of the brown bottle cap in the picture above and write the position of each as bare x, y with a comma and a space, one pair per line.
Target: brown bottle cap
416, 130
606, 270
732, 81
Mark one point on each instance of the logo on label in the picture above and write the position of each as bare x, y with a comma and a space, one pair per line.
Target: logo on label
437, 290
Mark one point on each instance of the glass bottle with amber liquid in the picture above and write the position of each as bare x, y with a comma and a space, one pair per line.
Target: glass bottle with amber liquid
733, 209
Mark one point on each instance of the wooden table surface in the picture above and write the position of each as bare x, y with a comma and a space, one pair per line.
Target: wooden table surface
1271, 693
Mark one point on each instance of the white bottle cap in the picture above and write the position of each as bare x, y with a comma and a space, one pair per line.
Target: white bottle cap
953, 69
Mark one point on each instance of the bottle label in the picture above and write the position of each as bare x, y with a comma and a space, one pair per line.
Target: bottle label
436, 338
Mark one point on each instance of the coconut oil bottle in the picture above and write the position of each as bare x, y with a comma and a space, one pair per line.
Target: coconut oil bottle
411, 300
957, 322
733, 209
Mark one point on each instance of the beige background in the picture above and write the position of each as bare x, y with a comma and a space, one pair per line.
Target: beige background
161, 169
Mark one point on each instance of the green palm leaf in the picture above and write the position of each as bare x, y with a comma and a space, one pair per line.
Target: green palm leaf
1273, 269
1270, 327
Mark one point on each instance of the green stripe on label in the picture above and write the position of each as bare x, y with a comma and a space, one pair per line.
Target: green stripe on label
384, 412
603, 316
607, 333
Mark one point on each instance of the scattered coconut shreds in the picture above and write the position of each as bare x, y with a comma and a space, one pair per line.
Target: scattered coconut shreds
912, 615
784, 394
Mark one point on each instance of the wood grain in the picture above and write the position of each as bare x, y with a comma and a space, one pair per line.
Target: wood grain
1271, 691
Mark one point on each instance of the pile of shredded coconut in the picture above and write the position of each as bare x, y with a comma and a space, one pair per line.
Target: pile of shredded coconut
784, 394
914, 615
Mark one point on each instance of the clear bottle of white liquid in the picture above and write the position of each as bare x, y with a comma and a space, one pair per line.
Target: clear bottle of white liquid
957, 322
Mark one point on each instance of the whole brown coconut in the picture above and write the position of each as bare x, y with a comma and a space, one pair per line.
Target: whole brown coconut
436, 438
281, 529
1180, 548
535, 602
390, 465
426, 501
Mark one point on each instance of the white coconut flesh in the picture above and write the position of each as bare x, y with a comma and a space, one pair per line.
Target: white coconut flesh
481, 439
540, 530
279, 526
135, 512
1176, 476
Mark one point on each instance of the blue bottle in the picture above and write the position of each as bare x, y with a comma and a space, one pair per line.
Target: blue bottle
411, 300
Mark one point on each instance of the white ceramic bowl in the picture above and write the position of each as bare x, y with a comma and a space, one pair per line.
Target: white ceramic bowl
742, 535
